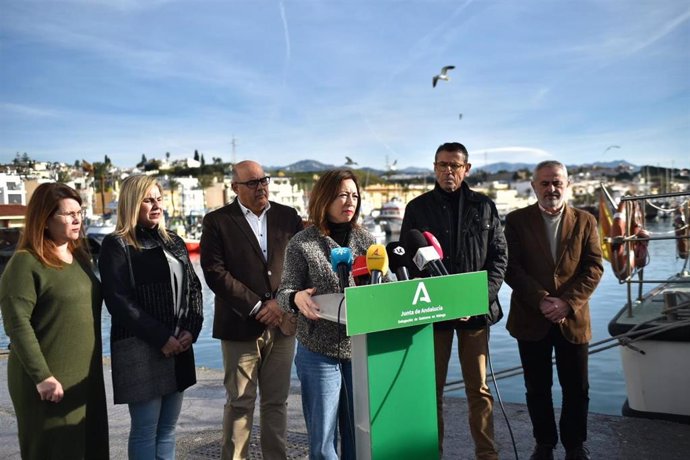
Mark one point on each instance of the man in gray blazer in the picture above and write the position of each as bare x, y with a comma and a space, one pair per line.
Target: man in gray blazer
554, 265
242, 250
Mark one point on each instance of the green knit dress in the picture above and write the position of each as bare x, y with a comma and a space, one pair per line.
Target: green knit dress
53, 319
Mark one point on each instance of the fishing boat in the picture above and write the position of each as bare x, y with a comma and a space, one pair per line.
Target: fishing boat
96, 230
375, 229
390, 216
653, 327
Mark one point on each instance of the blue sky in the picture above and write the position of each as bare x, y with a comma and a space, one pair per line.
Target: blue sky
325, 79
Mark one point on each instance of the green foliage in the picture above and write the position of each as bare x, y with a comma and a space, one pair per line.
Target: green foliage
64, 176
152, 165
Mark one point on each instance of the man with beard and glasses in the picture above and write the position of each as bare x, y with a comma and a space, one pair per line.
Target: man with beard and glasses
242, 252
554, 265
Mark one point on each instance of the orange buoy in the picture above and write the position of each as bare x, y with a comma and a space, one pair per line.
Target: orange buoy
626, 256
682, 229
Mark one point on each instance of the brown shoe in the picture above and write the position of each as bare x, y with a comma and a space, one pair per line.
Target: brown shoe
542, 452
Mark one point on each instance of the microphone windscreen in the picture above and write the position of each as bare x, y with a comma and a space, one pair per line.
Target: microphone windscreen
414, 240
377, 259
359, 266
397, 256
432, 241
341, 256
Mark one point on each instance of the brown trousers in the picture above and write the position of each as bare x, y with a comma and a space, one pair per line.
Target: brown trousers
263, 364
472, 351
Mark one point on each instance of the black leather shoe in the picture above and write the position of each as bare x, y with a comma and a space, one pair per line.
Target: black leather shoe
542, 452
578, 453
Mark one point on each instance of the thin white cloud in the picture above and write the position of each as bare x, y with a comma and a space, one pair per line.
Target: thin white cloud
286, 32
28, 111
662, 31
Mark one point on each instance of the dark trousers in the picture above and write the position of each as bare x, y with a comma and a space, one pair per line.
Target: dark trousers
571, 365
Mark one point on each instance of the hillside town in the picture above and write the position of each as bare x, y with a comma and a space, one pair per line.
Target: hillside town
194, 187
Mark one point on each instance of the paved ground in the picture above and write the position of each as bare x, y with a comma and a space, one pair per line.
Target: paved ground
199, 429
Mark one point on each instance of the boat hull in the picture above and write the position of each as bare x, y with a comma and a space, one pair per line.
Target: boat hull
657, 381
656, 369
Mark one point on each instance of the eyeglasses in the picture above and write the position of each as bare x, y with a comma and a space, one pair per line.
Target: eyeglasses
254, 183
443, 165
71, 216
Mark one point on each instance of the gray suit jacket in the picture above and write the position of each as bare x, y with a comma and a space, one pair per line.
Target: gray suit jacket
533, 274
235, 269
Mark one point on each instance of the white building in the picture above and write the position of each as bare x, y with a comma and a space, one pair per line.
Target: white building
191, 196
284, 191
12, 190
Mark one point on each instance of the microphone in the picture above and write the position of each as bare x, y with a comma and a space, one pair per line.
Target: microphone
360, 272
433, 242
377, 262
425, 256
399, 260
341, 261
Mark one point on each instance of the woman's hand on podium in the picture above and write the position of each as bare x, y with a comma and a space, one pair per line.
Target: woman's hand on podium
306, 305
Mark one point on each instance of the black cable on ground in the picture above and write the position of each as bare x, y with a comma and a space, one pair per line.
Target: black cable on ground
498, 393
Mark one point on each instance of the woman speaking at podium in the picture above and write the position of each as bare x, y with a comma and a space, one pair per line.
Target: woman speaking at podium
323, 349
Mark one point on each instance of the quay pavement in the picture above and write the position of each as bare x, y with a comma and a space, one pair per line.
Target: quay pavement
199, 428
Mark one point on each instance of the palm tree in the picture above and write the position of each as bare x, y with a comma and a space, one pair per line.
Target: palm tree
100, 171
174, 186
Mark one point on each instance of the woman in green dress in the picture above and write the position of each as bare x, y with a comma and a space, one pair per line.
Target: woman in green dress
51, 308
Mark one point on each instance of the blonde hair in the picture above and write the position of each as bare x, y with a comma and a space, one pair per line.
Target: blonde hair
132, 193
43, 205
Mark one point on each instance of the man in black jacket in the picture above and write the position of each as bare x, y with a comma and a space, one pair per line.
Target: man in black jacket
467, 226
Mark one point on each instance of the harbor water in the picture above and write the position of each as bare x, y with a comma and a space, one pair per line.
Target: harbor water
607, 386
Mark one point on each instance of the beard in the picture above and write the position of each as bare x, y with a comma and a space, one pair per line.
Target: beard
552, 201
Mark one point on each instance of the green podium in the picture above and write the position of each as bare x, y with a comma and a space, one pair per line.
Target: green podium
394, 384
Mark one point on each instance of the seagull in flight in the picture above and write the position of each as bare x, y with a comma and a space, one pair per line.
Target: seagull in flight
443, 75
349, 161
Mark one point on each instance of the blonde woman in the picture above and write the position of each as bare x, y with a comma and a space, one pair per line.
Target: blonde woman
51, 309
154, 297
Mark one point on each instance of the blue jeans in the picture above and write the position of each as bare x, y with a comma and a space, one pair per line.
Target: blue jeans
327, 404
152, 435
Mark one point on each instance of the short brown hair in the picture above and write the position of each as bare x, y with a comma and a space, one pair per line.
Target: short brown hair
44, 203
326, 190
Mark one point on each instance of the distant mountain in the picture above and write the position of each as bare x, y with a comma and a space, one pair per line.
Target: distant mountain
493, 168
415, 171
609, 165
304, 166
